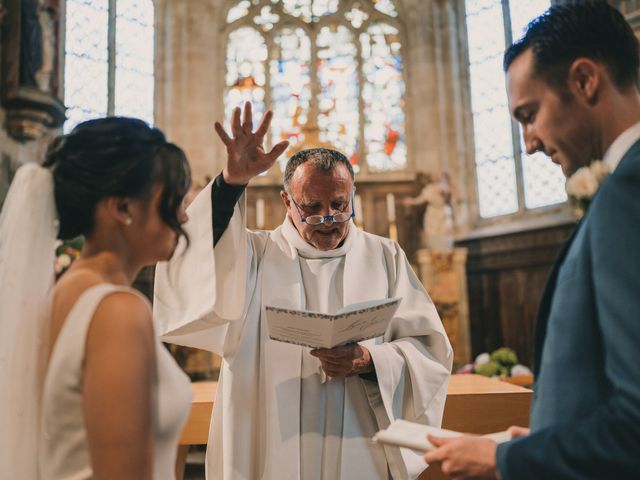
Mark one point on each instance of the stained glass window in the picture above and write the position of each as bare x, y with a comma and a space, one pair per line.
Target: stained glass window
383, 97
334, 76
508, 179
109, 52
290, 83
246, 80
338, 116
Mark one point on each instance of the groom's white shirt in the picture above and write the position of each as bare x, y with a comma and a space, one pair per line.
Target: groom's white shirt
620, 146
275, 416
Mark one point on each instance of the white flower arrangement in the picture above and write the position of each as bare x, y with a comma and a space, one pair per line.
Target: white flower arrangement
583, 185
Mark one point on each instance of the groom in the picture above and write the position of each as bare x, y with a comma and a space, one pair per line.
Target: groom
573, 87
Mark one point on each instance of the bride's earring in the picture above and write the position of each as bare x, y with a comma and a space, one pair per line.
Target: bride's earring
128, 221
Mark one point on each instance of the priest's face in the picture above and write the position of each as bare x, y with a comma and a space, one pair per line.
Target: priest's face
319, 192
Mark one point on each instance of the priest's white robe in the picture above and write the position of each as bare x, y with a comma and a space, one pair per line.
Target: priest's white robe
274, 407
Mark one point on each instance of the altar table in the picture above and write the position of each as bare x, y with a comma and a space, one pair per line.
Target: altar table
474, 404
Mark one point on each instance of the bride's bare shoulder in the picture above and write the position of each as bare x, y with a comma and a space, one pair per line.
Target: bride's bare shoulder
75, 278
75, 282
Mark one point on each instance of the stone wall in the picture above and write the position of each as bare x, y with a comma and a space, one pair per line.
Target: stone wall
189, 79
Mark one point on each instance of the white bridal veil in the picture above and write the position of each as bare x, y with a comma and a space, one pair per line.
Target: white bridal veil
27, 252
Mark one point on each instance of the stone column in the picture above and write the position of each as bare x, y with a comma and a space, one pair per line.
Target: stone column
189, 76
439, 108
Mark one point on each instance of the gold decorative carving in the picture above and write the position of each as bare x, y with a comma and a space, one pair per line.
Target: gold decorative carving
443, 273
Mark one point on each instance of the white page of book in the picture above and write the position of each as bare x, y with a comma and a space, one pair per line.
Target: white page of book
316, 330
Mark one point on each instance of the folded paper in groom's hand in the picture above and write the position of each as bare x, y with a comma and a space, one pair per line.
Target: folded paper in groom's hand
403, 433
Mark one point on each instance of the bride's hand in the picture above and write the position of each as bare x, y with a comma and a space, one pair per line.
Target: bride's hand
246, 157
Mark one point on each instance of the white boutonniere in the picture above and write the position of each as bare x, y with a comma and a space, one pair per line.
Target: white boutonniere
583, 185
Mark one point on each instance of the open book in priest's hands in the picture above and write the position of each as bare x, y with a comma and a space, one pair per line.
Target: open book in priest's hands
403, 433
353, 323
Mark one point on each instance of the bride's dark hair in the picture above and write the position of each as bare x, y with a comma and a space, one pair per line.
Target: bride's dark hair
114, 157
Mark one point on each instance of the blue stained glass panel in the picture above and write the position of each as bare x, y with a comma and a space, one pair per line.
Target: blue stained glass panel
245, 79
338, 118
290, 85
383, 98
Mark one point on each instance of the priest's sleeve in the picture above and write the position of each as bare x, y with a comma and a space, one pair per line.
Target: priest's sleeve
413, 365
202, 292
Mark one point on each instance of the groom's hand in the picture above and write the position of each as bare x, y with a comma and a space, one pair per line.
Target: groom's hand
344, 361
246, 157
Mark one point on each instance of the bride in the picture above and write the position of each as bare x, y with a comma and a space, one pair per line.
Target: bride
87, 388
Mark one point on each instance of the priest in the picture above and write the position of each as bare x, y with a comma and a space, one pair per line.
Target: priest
284, 411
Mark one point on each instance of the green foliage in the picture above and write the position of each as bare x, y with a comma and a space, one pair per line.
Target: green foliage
501, 362
505, 357
488, 369
73, 246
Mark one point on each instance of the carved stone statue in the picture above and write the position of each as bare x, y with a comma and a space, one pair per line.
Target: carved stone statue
30, 42
30, 66
47, 18
437, 225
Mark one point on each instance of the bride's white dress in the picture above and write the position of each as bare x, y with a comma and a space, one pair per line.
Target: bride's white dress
64, 451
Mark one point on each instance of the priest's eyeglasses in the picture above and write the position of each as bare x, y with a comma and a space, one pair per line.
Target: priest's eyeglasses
315, 220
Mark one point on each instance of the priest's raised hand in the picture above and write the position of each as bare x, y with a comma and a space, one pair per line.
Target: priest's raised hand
246, 157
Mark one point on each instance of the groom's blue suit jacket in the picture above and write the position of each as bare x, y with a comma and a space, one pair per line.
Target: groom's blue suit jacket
585, 418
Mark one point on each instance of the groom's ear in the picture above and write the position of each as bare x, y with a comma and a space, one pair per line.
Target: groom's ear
585, 78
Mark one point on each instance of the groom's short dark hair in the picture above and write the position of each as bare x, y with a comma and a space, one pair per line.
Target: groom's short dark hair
591, 29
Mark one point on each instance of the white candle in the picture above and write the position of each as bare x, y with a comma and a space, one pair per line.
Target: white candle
357, 209
260, 213
391, 208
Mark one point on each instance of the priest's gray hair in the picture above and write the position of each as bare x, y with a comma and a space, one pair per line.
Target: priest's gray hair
322, 158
